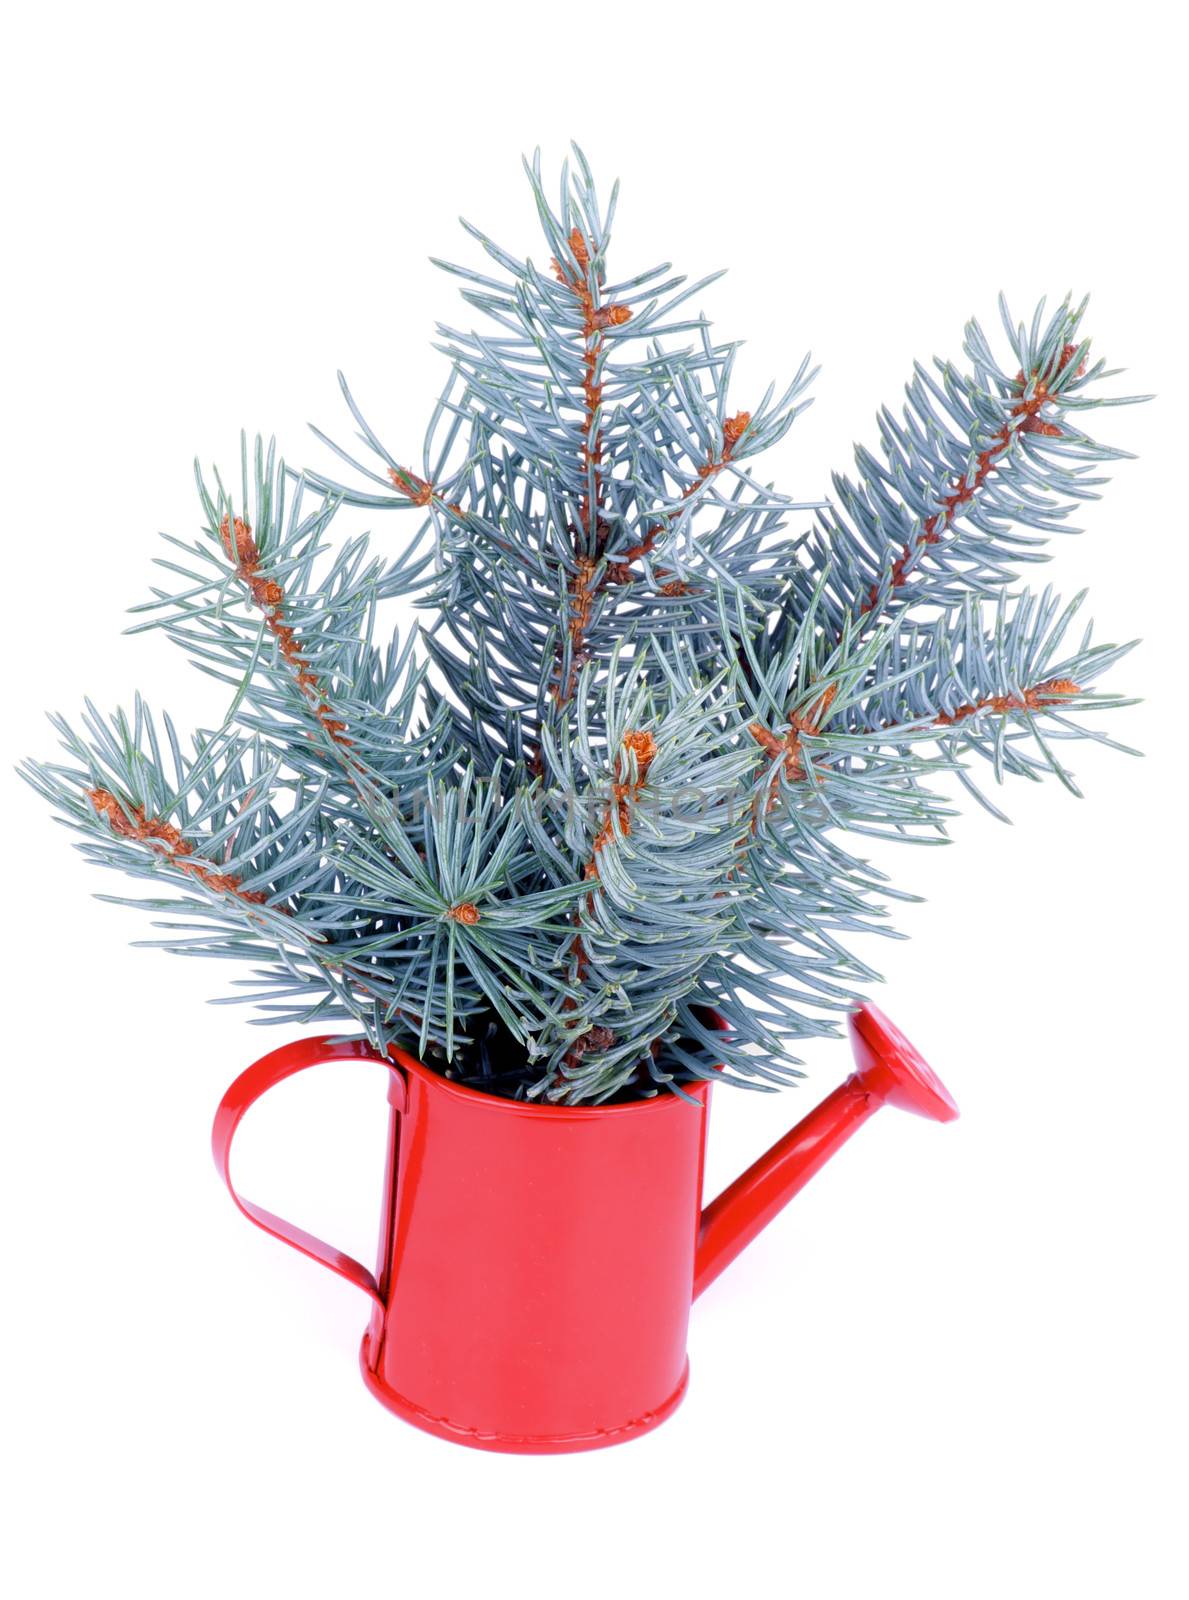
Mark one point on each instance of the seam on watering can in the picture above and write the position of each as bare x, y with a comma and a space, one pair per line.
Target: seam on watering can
646, 1419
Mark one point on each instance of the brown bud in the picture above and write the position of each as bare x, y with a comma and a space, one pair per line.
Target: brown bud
734, 428
612, 316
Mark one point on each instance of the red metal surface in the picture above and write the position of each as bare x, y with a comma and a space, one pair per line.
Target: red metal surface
890, 1072
248, 1087
537, 1263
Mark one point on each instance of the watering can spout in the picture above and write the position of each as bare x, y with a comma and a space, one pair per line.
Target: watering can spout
888, 1071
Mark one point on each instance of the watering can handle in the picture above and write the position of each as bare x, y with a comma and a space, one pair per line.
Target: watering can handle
246, 1090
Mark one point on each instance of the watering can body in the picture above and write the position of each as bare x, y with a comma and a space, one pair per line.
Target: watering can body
537, 1264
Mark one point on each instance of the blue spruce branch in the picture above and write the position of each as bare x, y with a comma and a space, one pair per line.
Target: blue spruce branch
595, 829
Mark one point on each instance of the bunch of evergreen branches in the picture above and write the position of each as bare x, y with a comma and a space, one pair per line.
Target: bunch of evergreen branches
591, 831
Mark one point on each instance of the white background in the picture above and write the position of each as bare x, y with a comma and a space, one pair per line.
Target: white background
955, 1367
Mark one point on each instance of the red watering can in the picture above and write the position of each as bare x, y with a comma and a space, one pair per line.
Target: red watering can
536, 1262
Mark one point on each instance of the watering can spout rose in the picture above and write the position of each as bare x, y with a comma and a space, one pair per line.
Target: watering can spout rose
537, 1263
